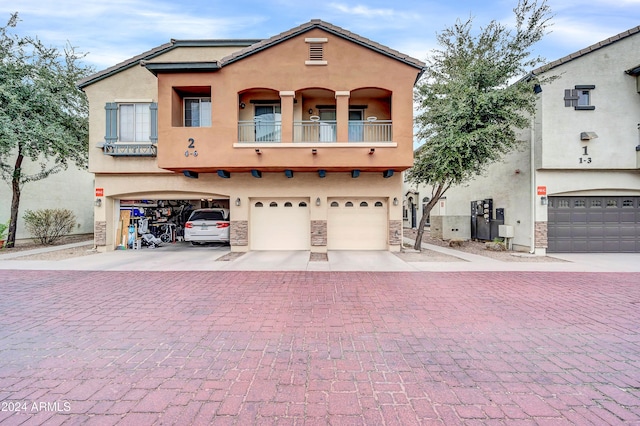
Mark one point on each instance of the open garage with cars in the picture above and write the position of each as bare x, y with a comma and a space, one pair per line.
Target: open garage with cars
146, 222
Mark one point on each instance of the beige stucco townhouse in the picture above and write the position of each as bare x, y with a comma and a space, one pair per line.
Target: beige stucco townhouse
303, 136
575, 184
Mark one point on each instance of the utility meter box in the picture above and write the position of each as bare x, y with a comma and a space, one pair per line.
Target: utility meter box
505, 231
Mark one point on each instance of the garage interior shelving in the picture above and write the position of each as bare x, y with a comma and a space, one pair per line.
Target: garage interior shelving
163, 219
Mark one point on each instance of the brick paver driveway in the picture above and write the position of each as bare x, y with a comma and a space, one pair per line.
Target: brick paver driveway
316, 348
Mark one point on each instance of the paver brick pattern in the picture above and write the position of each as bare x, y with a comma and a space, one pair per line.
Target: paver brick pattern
319, 348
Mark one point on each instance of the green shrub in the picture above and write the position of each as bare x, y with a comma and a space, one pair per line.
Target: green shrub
3, 230
49, 225
3, 233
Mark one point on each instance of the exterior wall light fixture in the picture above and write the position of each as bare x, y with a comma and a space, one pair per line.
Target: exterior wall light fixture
544, 201
318, 201
238, 201
371, 151
98, 202
395, 201
314, 151
258, 151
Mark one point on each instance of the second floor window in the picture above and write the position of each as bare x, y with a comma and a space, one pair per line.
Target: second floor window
583, 98
131, 122
197, 112
134, 122
580, 97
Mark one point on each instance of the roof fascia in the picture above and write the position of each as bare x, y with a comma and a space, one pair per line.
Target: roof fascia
160, 50
580, 53
170, 67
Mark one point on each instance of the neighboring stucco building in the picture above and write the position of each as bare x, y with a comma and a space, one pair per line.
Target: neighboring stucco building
303, 136
576, 187
69, 189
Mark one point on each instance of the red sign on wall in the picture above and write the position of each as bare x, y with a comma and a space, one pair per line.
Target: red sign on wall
99, 192
542, 190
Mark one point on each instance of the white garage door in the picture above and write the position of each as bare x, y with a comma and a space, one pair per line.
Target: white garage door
357, 224
279, 224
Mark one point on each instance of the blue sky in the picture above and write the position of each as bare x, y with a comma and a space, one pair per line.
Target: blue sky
115, 30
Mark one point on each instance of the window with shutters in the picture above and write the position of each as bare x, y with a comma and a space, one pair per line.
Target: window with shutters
131, 128
316, 51
579, 97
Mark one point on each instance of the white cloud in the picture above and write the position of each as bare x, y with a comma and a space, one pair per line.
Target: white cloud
114, 31
119, 29
364, 11
573, 33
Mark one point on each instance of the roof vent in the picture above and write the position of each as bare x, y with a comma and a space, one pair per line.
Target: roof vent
316, 51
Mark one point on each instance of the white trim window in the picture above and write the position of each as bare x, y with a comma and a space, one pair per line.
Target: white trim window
134, 122
130, 122
197, 112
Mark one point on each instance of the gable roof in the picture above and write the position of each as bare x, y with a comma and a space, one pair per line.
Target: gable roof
333, 29
156, 51
587, 50
249, 47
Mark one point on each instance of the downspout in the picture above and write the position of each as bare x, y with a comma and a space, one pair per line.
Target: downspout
532, 247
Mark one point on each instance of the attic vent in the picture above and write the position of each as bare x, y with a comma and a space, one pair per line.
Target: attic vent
316, 51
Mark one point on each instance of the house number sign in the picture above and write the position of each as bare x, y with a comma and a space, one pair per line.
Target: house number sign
585, 159
191, 146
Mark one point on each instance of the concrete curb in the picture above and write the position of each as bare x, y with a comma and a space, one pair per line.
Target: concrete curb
23, 253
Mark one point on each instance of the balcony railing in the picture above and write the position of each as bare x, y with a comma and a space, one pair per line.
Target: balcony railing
130, 149
314, 131
259, 131
370, 131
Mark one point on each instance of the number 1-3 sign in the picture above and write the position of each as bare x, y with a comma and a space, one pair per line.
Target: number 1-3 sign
542, 190
99, 192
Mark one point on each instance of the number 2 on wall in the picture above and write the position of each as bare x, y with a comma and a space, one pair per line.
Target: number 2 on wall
192, 145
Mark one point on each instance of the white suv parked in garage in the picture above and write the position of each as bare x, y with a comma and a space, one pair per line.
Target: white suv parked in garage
207, 225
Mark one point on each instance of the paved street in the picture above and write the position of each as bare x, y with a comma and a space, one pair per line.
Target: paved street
395, 348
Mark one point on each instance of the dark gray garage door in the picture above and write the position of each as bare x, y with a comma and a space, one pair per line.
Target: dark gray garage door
594, 225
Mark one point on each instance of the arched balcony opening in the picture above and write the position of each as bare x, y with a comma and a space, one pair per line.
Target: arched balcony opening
370, 115
259, 115
315, 117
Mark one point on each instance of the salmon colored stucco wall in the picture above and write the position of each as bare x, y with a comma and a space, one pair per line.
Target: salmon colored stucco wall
281, 68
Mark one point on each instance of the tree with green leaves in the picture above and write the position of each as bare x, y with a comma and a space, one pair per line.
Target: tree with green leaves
471, 101
43, 115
